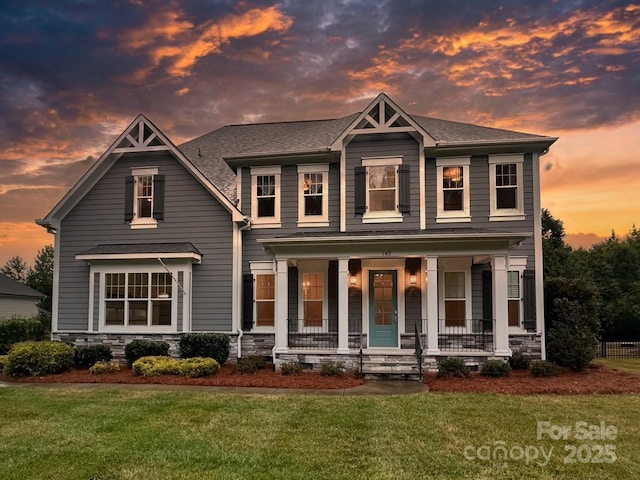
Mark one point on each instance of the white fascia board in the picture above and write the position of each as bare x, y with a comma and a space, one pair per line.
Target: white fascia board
140, 256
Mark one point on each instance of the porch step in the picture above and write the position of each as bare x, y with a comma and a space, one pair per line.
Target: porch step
391, 367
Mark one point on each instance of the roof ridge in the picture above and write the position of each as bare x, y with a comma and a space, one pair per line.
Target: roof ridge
413, 115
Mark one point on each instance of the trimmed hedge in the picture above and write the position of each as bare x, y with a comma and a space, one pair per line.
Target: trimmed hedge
520, 361
542, 368
87, 355
145, 348
190, 367
21, 329
212, 345
495, 368
452, 367
291, 368
332, 369
104, 367
250, 364
39, 358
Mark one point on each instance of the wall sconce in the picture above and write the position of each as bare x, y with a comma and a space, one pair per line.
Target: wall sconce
413, 279
353, 279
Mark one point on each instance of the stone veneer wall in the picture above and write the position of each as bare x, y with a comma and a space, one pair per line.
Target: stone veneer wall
530, 343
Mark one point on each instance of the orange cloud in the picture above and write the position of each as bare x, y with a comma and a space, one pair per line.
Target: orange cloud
22, 239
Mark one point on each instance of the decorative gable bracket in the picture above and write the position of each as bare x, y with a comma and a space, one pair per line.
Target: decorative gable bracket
382, 117
140, 138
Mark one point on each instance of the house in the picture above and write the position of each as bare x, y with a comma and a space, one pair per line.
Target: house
16, 299
344, 239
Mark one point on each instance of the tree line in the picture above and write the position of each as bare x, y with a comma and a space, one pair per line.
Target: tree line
39, 277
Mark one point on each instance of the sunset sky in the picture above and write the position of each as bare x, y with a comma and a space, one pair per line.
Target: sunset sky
74, 74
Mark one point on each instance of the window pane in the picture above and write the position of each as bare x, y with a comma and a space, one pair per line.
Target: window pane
382, 177
114, 285
160, 285
513, 285
313, 286
382, 200
144, 196
114, 313
267, 207
265, 313
138, 285
454, 311
312, 314
452, 177
265, 287
506, 197
144, 208
454, 285
452, 200
313, 205
161, 314
514, 313
138, 312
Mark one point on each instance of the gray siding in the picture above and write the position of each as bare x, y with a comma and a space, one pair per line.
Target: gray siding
383, 146
191, 215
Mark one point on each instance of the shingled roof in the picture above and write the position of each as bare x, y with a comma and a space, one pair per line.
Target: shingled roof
13, 288
209, 151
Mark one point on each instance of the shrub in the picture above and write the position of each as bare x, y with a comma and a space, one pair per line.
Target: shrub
332, 369
21, 329
145, 348
452, 367
104, 367
520, 361
198, 367
39, 358
250, 364
212, 345
291, 368
542, 368
87, 355
495, 368
3, 362
571, 342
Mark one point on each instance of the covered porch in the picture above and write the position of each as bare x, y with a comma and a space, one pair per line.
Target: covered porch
345, 296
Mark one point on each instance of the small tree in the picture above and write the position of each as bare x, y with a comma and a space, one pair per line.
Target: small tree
41, 277
17, 269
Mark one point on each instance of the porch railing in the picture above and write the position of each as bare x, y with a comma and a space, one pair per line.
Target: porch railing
474, 335
321, 334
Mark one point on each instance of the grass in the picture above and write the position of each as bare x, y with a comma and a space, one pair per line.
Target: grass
626, 364
111, 433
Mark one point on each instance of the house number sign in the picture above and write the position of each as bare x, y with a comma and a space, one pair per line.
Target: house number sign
386, 253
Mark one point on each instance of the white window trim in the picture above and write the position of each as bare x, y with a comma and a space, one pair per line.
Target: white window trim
313, 220
517, 264
446, 216
504, 214
173, 268
313, 266
142, 223
262, 268
455, 265
265, 222
388, 216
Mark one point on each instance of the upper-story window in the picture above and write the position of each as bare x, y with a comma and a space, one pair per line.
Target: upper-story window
453, 199
265, 196
313, 195
382, 190
144, 198
506, 184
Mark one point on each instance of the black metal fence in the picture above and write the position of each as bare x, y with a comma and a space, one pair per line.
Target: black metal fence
472, 336
322, 334
619, 349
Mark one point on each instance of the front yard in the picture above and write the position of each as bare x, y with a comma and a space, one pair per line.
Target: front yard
113, 433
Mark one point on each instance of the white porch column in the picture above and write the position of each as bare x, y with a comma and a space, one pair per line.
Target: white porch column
282, 306
500, 305
343, 305
432, 306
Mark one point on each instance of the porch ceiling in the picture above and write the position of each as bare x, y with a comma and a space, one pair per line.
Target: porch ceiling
393, 244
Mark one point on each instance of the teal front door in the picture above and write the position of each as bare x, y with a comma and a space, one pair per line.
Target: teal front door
383, 308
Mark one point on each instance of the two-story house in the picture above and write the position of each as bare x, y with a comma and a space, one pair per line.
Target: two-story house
310, 240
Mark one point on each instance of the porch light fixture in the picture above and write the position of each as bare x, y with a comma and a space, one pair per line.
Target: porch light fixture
353, 279
413, 279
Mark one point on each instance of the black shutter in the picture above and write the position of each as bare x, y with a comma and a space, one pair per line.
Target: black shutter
529, 299
487, 296
247, 301
361, 190
404, 182
128, 199
158, 197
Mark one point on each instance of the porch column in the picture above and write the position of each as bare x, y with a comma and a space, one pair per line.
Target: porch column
500, 305
343, 305
432, 306
282, 306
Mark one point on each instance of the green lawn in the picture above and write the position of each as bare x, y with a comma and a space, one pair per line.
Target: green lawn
626, 364
111, 433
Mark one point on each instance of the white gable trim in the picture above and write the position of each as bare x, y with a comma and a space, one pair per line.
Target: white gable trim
382, 125
138, 143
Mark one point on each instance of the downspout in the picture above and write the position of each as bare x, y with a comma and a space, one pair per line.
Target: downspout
238, 267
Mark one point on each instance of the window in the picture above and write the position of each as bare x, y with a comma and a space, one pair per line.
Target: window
144, 198
313, 196
138, 299
506, 183
513, 295
265, 300
265, 196
382, 190
453, 199
313, 298
455, 299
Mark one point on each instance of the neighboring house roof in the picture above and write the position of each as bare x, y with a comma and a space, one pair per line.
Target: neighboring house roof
13, 288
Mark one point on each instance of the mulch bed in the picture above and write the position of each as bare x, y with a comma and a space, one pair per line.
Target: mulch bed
226, 377
596, 379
